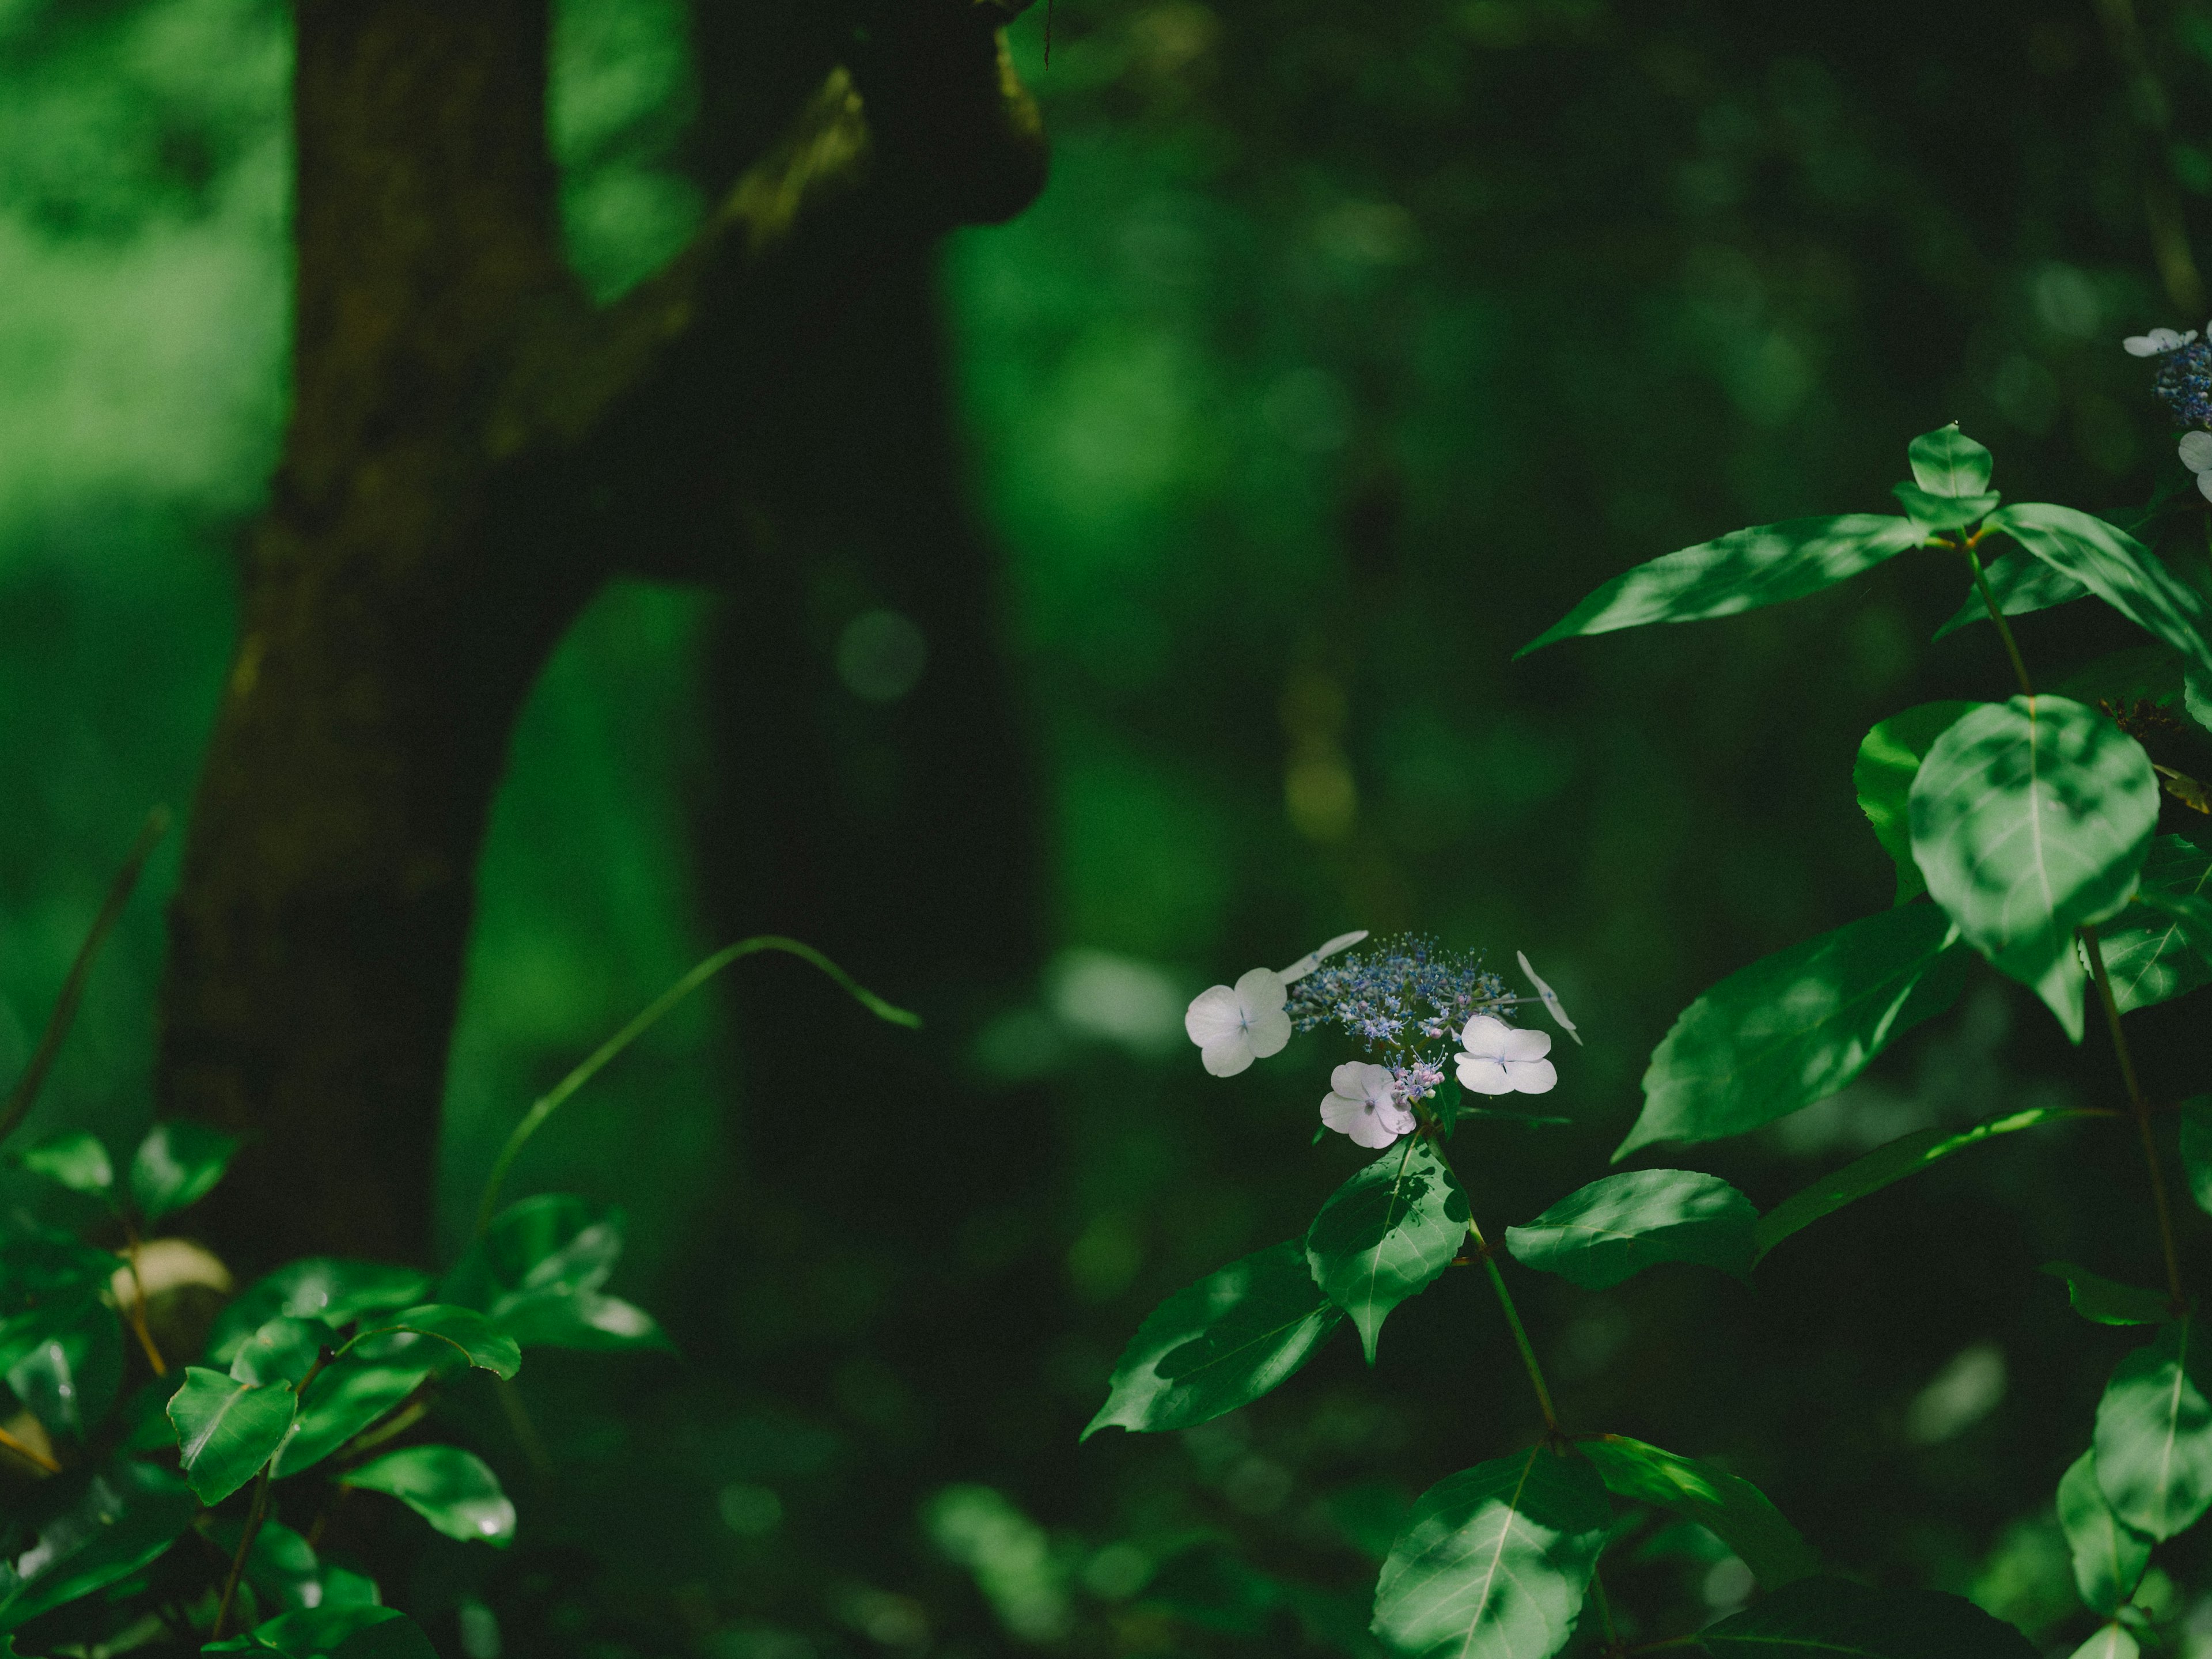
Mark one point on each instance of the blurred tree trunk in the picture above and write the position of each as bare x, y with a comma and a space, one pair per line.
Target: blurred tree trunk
473, 450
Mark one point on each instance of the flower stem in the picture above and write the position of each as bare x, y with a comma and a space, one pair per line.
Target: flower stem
1505, 1299
2140, 1108
29, 1453
2004, 628
254, 1517
138, 1326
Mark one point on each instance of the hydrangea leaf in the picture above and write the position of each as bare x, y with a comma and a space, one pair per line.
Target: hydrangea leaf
1795, 1027
1835, 1619
2107, 1301
1947, 462
454, 1489
1739, 572
2019, 584
2140, 674
2109, 1555
2153, 1441
2030, 819
1494, 1562
177, 1164
2197, 1148
2118, 568
1731, 1508
1889, 759
1386, 1234
127, 1513
226, 1430
1619, 1226
78, 1162
1932, 512
1219, 1344
2149, 952
327, 1288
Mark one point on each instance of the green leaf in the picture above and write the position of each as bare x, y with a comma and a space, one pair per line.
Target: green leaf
2154, 1442
1220, 1344
282, 1566
2190, 915
226, 1430
1495, 1561
1386, 1234
78, 1162
1739, 572
2196, 695
125, 1515
558, 1317
1932, 513
1889, 758
353, 1392
2029, 818
335, 1291
70, 1373
345, 1633
538, 1270
2107, 1301
2118, 568
2148, 952
1795, 1027
2141, 673
176, 1165
2019, 584
283, 1350
454, 1490
2197, 1148
2109, 1556
2109, 1641
1834, 1619
469, 1333
1623, 1224
1947, 462
1729, 1506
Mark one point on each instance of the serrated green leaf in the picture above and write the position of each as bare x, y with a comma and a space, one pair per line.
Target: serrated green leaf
2109, 1555
1947, 462
1729, 1506
335, 1291
1220, 1344
2153, 1441
1795, 1027
1834, 1619
177, 1164
1623, 1224
2148, 953
2197, 1148
283, 1350
126, 1514
2020, 583
1495, 1561
1886, 1164
470, 1333
1933, 513
78, 1162
1889, 759
1386, 1234
1741, 572
454, 1490
2030, 819
2107, 1301
226, 1430
2118, 568
345, 1633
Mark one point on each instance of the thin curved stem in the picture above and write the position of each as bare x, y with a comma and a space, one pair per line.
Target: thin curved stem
1506, 1301
2141, 1108
1996, 616
30, 1453
552, 1100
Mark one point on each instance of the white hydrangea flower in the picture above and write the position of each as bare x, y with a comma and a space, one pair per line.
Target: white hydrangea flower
2196, 449
1505, 1059
1363, 1102
1233, 1026
1551, 998
2157, 343
1306, 964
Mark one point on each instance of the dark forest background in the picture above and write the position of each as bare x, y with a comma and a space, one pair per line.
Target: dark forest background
1139, 609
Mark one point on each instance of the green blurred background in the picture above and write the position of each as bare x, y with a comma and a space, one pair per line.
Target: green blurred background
1348, 346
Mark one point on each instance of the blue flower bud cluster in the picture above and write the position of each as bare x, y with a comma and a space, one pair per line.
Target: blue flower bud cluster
1404, 991
2184, 384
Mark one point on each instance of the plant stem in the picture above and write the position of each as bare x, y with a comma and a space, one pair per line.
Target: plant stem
26, 1091
1604, 1610
1505, 1300
138, 1325
254, 1517
29, 1454
2141, 1110
2004, 628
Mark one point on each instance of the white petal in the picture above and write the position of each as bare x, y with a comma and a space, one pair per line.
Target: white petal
1260, 990
1521, 1044
1341, 1112
2140, 345
2205, 485
1356, 1080
1485, 1034
1530, 1077
1398, 1119
1269, 1032
1214, 1014
2196, 449
1485, 1075
1313, 959
1372, 1131
1552, 1006
1230, 1056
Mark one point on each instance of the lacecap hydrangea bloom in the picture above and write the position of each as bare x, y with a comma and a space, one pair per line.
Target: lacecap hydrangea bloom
1235, 1025
2183, 385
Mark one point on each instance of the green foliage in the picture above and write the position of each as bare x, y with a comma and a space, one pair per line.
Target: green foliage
2109, 1555
2153, 1441
117, 1518
2029, 819
1729, 1506
1797, 1026
335, 1633
2195, 1113
336, 1293
537, 1272
1889, 759
1948, 465
2150, 952
226, 1430
1386, 1234
283, 1350
1220, 1344
2019, 583
176, 1165
1495, 1561
1834, 1619
78, 1162
1618, 1226
2118, 568
454, 1489
2105, 1301
467, 1332
352, 1394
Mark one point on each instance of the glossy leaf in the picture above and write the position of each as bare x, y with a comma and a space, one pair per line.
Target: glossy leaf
70, 1374
2029, 818
344, 1632
2153, 1441
126, 1515
1796, 1026
337, 1292
2109, 1555
352, 1393
2150, 953
1220, 1344
226, 1430
1729, 1506
282, 1566
1947, 462
283, 1350
78, 1162
2107, 1301
1889, 759
1905, 1156
2019, 584
1494, 1562
557, 1317
1386, 1234
1835, 1619
1619, 1226
2197, 1148
470, 1333
2118, 568
1739, 572
454, 1489
176, 1165
538, 1270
